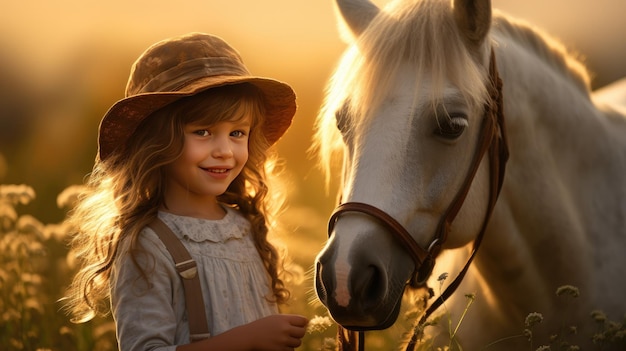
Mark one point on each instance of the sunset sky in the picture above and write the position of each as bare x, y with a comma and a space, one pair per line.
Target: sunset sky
288, 34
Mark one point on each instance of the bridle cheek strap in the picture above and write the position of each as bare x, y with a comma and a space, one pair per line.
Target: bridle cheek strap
492, 141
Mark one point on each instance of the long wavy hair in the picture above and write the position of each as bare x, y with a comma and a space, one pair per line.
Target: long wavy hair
124, 193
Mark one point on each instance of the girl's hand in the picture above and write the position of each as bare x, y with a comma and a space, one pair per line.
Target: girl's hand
277, 333
281, 332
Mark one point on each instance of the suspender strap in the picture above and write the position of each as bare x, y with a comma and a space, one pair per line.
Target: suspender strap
188, 271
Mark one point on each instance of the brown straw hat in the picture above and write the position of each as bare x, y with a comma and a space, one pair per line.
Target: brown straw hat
183, 66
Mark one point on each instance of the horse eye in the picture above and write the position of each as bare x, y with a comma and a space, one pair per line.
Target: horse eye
452, 128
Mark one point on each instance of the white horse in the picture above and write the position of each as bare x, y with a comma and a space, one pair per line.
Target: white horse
404, 115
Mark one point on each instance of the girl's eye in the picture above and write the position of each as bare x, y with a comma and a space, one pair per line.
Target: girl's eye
202, 132
238, 133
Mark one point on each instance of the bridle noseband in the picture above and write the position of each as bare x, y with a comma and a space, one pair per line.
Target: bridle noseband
492, 140
424, 259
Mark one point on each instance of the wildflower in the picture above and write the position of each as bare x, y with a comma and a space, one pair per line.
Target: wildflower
598, 316
417, 300
22, 246
330, 344
56, 231
412, 314
69, 195
30, 224
65, 330
30, 278
533, 319
544, 348
8, 215
528, 334
567, 290
33, 304
17, 194
598, 338
318, 324
72, 259
612, 327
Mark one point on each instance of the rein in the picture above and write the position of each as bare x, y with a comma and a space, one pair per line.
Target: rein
492, 141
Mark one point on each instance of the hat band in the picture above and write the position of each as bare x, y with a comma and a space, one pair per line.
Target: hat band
177, 77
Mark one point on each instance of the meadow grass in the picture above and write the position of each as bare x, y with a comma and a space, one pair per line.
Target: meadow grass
34, 271
609, 334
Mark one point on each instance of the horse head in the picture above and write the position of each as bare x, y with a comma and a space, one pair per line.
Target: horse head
405, 110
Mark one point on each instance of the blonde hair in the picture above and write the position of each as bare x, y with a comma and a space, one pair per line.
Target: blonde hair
125, 192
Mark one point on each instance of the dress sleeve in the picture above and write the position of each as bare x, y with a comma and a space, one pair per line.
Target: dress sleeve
144, 310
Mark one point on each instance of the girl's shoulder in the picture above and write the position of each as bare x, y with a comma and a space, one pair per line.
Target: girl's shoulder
146, 254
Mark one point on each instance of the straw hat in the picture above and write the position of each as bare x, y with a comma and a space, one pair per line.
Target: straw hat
183, 66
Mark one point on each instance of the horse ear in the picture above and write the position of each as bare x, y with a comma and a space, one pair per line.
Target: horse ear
473, 17
357, 14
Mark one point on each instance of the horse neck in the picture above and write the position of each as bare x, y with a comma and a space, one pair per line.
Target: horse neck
558, 192
564, 150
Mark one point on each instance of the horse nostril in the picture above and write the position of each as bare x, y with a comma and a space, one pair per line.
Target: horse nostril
369, 287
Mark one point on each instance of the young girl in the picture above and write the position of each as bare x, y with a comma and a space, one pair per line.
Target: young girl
189, 145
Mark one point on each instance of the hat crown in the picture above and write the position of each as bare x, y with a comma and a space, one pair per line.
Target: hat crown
173, 63
181, 67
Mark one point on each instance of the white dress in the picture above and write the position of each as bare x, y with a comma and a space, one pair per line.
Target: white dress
234, 283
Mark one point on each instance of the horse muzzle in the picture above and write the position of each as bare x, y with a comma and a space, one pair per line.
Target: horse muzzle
367, 296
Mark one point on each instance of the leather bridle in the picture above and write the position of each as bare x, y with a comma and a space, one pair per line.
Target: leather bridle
492, 141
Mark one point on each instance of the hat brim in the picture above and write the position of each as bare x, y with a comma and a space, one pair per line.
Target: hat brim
121, 120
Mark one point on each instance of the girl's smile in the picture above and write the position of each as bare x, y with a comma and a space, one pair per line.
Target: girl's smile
219, 173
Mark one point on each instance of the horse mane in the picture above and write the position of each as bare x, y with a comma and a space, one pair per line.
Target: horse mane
425, 33
566, 61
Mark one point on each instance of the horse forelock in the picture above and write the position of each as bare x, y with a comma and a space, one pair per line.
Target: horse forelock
420, 32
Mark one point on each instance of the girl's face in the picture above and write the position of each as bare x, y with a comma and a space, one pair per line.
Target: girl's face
212, 157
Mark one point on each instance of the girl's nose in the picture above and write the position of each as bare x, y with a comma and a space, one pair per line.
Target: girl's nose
222, 148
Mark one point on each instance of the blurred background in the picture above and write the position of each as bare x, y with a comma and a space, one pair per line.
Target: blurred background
63, 63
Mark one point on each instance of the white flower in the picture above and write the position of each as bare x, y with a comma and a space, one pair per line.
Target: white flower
318, 324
